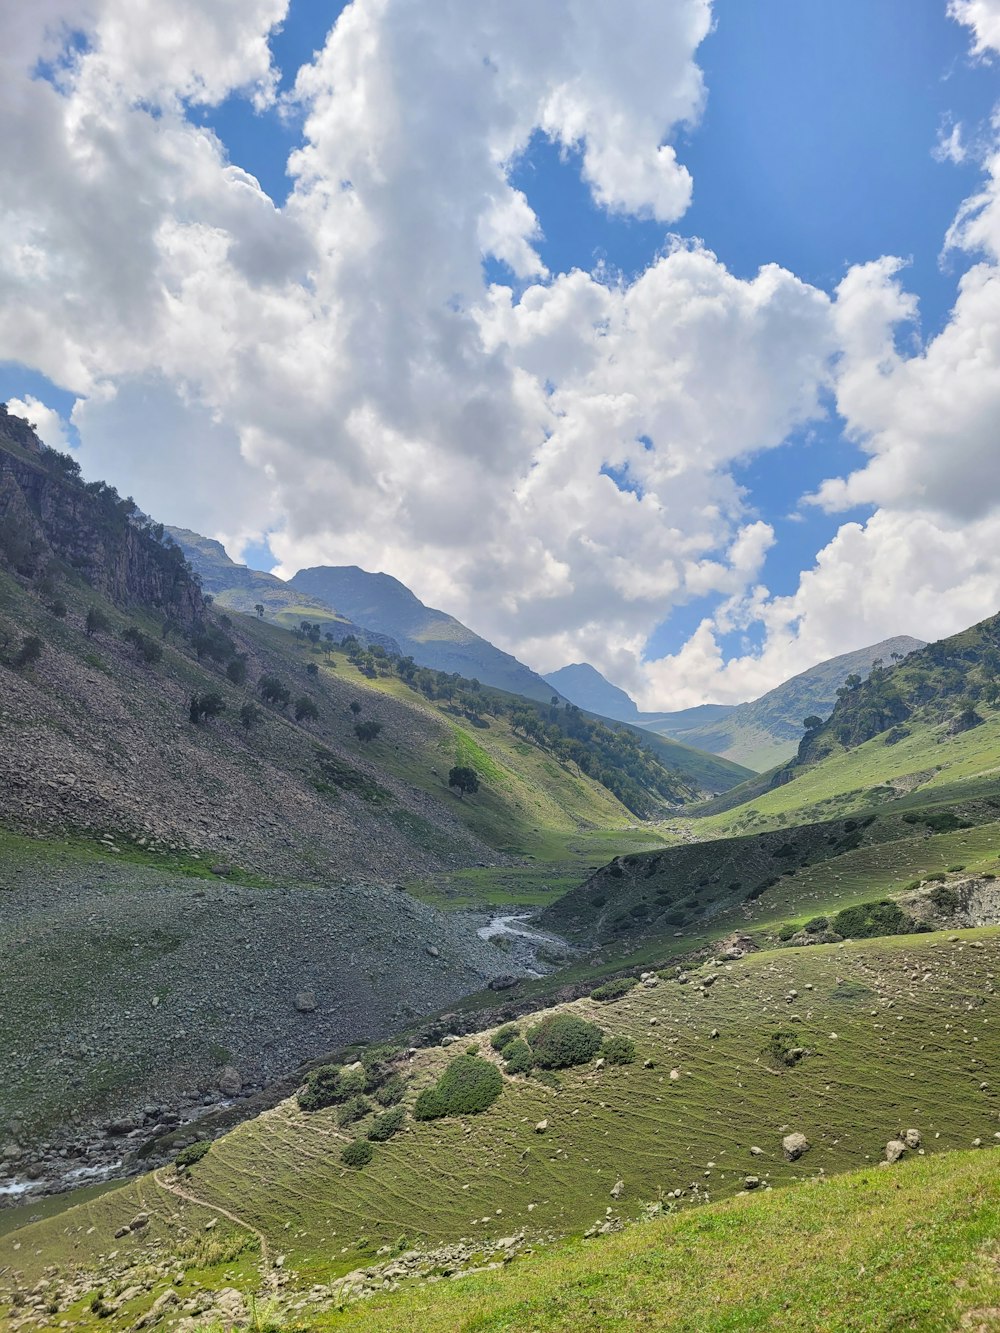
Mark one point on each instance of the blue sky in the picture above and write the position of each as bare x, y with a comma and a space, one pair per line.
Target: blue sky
815, 151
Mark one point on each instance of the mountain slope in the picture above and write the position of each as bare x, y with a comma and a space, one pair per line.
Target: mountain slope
239, 588
584, 686
766, 731
432, 638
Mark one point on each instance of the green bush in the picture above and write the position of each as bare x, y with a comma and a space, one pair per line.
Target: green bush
468, 1086
391, 1091
935, 877
868, 920
384, 1126
330, 1084
619, 1051
787, 931
817, 924
944, 898
564, 1040
953, 870
357, 1154
355, 1108
518, 1058
614, 990
504, 1036
194, 1152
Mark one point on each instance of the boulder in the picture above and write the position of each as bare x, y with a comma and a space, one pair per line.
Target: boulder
618, 1189
541, 1127
230, 1083
795, 1146
305, 1002
912, 1138
433, 951
894, 1150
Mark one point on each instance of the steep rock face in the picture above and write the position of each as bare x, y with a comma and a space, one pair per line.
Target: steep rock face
46, 512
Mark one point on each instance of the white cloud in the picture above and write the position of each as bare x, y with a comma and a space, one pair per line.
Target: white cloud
335, 369
983, 17
48, 424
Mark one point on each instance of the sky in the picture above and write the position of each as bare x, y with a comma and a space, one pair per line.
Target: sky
662, 335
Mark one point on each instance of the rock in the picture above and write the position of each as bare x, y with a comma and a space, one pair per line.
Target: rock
222, 869
541, 1127
122, 1231
139, 1221
795, 1146
230, 1083
123, 1126
433, 951
305, 1002
159, 1307
675, 1075
714, 1033
977, 1143
504, 982
756, 1152
894, 1150
618, 1189
912, 1138
751, 1183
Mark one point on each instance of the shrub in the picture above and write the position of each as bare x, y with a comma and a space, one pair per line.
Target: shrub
944, 898
504, 1036
868, 920
194, 1152
391, 1091
312, 669
58, 608
639, 910
619, 1051
29, 652
613, 990
148, 649
935, 877
953, 870
249, 716
330, 1084
518, 1058
367, 731
355, 1108
96, 622
787, 931
274, 691
236, 670
204, 706
468, 1086
564, 1040
384, 1126
305, 709
816, 924
357, 1154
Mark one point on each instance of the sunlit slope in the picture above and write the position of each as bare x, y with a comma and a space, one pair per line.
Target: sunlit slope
897, 1033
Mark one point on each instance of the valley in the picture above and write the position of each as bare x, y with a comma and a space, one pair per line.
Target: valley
332, 978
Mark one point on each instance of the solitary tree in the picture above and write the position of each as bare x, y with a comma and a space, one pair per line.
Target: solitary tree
29, 652
204, 706
259, 608
305, 709
355, 707
250, 716
273, 691
312, 669
97, 622
812, 722
465, 779
367, 731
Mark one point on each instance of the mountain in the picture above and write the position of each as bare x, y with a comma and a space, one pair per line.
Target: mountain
584, 686
432, 638
239, 588
767, 731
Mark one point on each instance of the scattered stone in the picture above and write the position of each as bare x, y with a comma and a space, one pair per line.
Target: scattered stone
751, 1182
433, 951
618, 1189
795, 1146
305, 1002
756, 1152
230, 1083
912, 1138
541, 1127
894, 1150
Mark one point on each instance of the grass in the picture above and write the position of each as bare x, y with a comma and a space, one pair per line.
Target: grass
910, 1248
900, 1032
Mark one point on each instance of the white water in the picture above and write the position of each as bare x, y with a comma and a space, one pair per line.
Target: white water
501, 925
10, 1188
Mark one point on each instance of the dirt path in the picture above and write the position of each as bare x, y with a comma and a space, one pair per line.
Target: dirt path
267, 1269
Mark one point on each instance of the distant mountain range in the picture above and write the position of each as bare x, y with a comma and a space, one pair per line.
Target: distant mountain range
759, 734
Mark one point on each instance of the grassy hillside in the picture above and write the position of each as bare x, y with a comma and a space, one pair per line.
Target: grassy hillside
767, 731
892, 1034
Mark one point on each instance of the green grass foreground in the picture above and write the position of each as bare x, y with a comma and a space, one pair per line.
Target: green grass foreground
905, 1247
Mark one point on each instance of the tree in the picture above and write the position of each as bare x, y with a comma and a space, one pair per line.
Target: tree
237, 669
96, 622
312, 669
58, 608
274, 691
29, 652
355, 707
305, 709
250, 716
465, 779
259, 608
367, 731
812, 722
204, 706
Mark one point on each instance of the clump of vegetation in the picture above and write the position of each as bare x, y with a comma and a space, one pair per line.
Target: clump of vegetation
28, 653
96, 622
236, 669
204, 706
468, 1086
938, 821
563, 1040
391, 1091
193, 1153
945, 898
330, 1084
305, 709
518, 1057
150, 650
465, 779
868, 920
366, 732
250, 716
783, 1048
357, 1154
274, 691
816, 924
502, 1038
384, 1126
619, 1051
786, 931
614, 990
354, 1108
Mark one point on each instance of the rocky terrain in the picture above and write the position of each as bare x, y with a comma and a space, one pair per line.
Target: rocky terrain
165, 994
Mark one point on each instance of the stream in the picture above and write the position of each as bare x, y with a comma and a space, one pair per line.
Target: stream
525, 944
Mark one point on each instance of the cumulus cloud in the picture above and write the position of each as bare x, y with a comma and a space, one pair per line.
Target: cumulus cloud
551, 458
48, 424
983, 17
